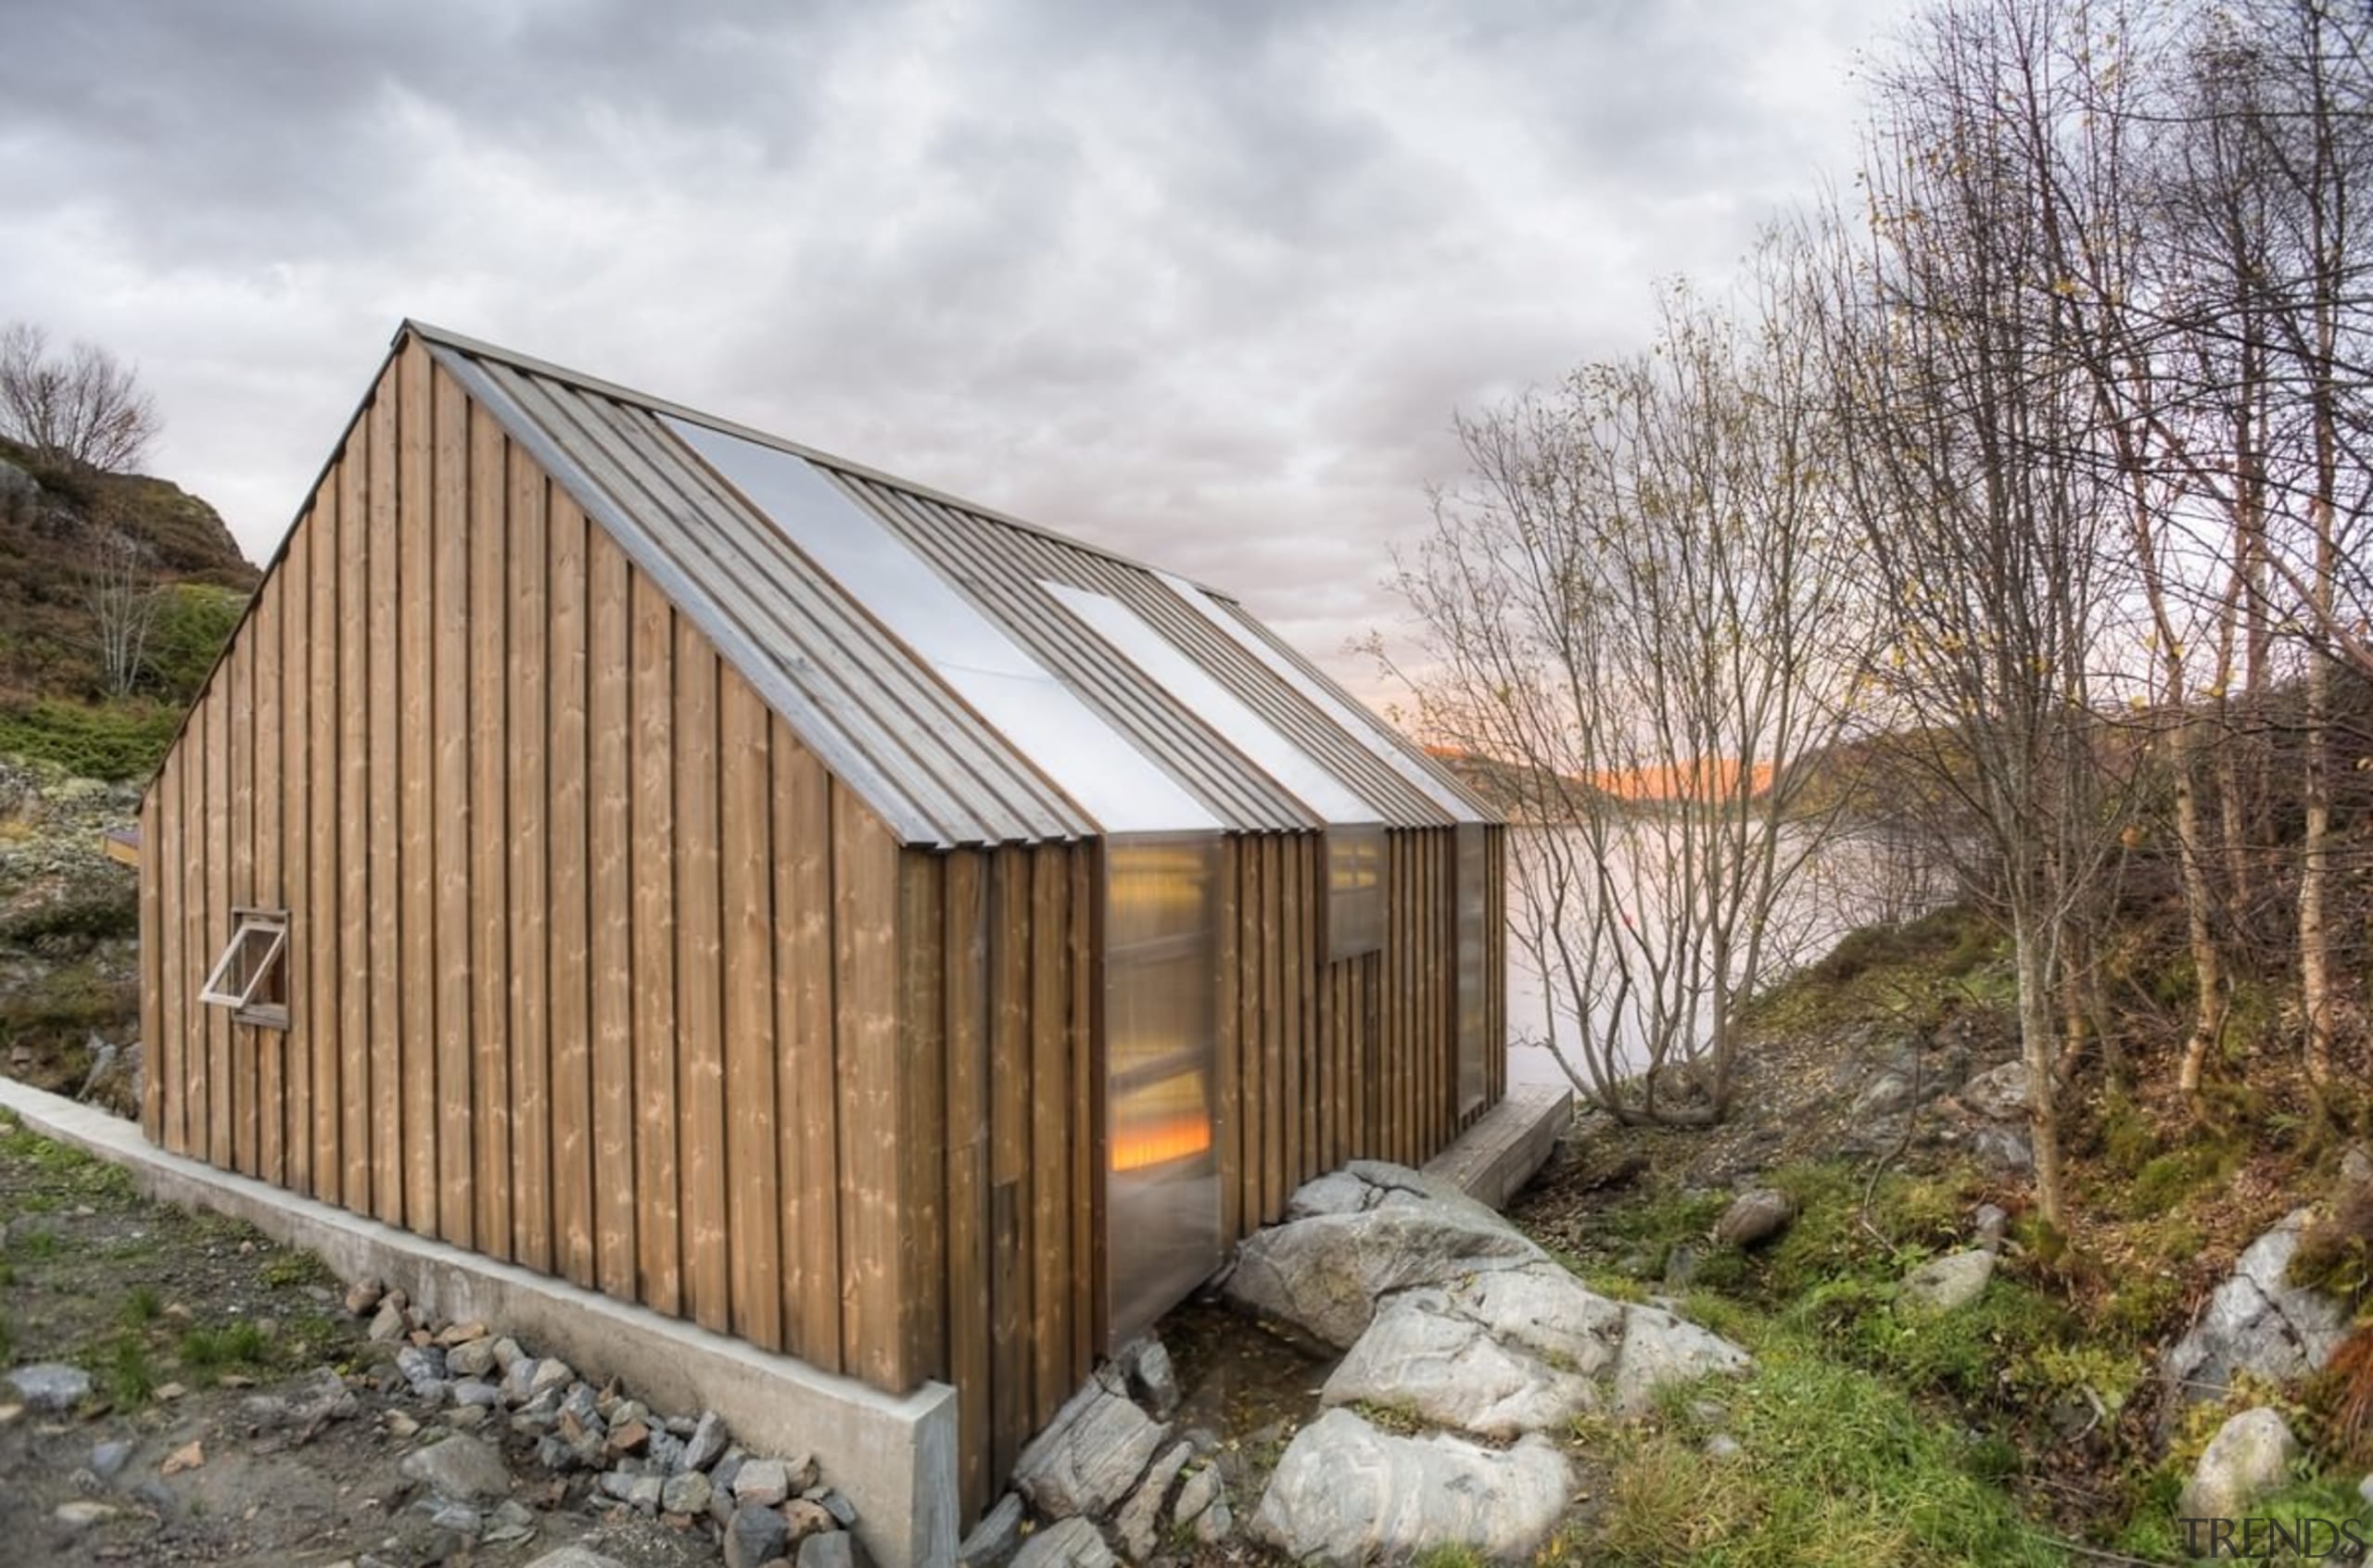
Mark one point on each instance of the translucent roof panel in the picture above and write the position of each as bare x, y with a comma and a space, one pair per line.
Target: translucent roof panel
1357, 720
1268, 749
1065, 738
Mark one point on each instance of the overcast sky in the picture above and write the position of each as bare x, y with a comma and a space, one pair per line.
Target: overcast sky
1203, 283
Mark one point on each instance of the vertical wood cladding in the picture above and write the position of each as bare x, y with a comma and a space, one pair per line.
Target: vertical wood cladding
592, 966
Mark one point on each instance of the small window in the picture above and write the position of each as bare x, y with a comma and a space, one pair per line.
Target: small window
1355, 892
251, 976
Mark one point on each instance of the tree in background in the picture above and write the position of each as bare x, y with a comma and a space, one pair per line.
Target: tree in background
1644, 600
120, 589
83, 409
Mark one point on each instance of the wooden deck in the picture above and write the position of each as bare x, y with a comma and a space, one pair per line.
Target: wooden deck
1494, 1158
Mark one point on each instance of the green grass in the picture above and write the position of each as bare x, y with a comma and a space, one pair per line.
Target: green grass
125, 1372
209, 1352
143, 1306
109, 741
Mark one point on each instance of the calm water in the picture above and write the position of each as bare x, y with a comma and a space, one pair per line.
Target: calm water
1853, 881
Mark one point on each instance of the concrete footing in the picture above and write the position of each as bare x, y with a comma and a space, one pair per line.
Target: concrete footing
892, 1456
1493, 1160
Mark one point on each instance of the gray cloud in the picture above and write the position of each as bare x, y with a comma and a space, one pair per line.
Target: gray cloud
1203, 282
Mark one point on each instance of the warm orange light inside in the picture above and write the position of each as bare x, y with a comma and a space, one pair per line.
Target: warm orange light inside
1160, 1142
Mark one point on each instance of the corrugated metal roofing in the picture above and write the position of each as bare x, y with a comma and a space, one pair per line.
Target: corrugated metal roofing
870, 687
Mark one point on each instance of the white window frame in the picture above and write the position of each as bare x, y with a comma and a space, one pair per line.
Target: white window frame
251, 923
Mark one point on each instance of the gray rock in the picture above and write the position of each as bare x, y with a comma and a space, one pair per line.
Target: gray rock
1324, 1274
1755, 1217
756, 1536
508, 1524
506, 1352
688, 1493
1338, 1191
472, 1358
50, 1386
1424, 1355
2356, 1166
2249, 1457
575, 1557
1998, 1093
761, 1481
1989, 1223
995, 1538
1884, 1095
1153, 1382
643, 1494
390, 1324
423, 1369
1951, 1282
1346, 1494
109, 1458
1091, 1456
1201, 1490
82, 1513
518, 1378
459, 1518
1067, 1543
2258, 1321
2005, 1148
477, 1392
706, 1443
833, 1548
1659, 1348
1139, 1521
843, 1511
550, 1372
461, 1469
1215, 1523
1723, 1446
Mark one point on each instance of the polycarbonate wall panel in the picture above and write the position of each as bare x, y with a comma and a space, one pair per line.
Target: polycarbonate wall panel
1066, 740
1361, 724
1161, 1075
1300, 774
1472, 872
1355, 892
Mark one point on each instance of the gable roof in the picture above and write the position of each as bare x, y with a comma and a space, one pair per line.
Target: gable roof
976, 679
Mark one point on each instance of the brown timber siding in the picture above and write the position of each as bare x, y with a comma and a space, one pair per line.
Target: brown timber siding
591, 963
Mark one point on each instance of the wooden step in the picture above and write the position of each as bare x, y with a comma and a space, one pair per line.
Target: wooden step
1494, 1158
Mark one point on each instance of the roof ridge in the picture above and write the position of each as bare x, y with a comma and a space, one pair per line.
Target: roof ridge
479, 349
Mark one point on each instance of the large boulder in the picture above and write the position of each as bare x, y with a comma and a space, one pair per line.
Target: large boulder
1998, 1093
1659, 1348
1091, 1455
1424, 1356
1755, 1217
1951, 1282
461, 1469
1324, 1274
1347, 1494
2258, 1321
2249, 1457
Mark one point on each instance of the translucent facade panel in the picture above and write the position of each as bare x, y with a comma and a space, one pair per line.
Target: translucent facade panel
1047, 721
1474, 907
1159, 660
1161, 1075
1361, 725
1355, 892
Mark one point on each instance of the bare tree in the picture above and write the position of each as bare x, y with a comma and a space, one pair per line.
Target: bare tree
85, 408
1642, 603
119, 589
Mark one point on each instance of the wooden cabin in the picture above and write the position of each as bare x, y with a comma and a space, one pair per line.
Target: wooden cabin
627, 845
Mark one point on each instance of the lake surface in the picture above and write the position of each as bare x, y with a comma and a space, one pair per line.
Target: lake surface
1855, 880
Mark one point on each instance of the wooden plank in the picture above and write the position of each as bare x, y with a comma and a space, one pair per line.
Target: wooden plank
265, 798
530, 809
1081, 942
161, 868
452, 725
807, 1102
415, 801
295, 853
221, 1121
198, 955
1276, 1083
152, 972
966, 989
700, 985
865, 895
490, 747
611, 891
1012, 1391
324, 838
568, 856
752, 1184
1231, 1038
385, 1054
1050, 1132
922, 1137
355, 796
237, 815
652, 864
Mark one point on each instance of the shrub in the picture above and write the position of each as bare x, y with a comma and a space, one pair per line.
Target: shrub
109, 741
